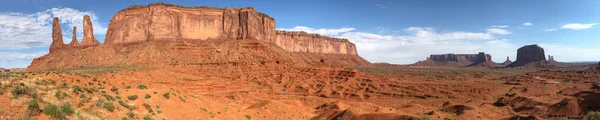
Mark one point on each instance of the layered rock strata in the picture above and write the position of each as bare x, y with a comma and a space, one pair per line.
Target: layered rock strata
459, 60
159, 33
313, 43
165, 22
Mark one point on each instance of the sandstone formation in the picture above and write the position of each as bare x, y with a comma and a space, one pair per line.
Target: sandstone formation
507, 62
483, 60
313, 43
163, 34
531, 56
16, 69
57, 38
88, 33
74, 41
3, 70
458, 60
165, 22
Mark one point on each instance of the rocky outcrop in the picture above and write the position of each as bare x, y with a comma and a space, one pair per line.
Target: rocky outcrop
459, 60
57, 38
531, 56
313, 43
88, 33
3, 70
74, 41
165, 22
16, 69
507, 62
483, 60
164, 34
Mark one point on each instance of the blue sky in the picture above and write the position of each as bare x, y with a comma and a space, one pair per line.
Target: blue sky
394, 31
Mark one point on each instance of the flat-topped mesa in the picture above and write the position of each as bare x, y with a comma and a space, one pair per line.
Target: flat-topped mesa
298, 41
461, 57
531, 56
74, 41
460, 60
88, 33
57, 38
166, 22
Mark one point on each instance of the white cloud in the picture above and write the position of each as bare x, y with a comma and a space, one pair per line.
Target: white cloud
548, 30
527, 24
19, 31
498, 31
8, 57
499, 26
577, 26
571, 53
380, 6
423, 41
328, 32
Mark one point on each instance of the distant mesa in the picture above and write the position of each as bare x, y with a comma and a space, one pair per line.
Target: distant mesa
458, 60
531, 56
166, 34
3, 70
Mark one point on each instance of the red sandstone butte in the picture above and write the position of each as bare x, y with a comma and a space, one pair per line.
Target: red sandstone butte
88, 33
57, 38
165, 22
74, 41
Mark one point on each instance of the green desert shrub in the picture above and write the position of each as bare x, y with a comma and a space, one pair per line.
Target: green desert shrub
67, 109
21, 90
166, 95
33, 108
58, 112
108, 106
248, 117
128, 106
109, 97
52, 111
146, 117
132, 97
147, 96
141, 87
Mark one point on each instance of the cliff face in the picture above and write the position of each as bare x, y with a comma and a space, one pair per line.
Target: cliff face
147, 35
164, 22
88, 33
461, 57
57, 39
531, 56
313, 43
459, 60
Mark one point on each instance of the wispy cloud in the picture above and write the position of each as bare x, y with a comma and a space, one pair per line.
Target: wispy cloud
499, 26
577, 26
498, 31
548, 30
380, 6
8, 57
19, 30
527, 24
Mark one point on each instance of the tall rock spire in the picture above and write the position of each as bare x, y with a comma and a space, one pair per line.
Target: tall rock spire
57, 38
74, 41
88, 32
